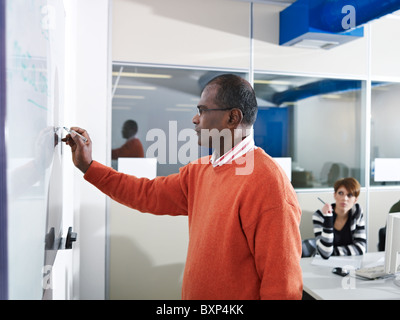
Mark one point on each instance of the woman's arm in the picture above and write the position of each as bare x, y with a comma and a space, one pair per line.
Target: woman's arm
323, 231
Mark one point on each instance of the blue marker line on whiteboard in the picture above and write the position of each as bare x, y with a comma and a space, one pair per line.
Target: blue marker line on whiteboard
37, 104
71, 130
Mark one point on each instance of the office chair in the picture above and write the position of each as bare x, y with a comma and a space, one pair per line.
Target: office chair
337, 171
382, 238
308, 247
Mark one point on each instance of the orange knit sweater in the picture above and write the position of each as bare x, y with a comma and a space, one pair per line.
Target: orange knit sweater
131, 148
244, 239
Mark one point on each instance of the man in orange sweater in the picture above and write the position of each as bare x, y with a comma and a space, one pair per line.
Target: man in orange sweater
244, 239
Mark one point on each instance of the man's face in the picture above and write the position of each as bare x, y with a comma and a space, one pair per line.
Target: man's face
209, 123
125, 132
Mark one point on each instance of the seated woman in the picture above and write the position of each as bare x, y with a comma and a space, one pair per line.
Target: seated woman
339, 228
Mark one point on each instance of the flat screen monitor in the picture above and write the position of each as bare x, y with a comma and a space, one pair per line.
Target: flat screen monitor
392, 249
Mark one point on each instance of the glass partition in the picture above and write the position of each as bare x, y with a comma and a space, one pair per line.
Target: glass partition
317, 122
162, 101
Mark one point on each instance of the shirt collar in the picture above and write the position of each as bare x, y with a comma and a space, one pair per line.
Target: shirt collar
237, 151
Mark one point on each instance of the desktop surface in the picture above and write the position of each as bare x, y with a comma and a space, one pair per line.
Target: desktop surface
320, 283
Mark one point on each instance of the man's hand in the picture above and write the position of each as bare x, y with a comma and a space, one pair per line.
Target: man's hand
81, 150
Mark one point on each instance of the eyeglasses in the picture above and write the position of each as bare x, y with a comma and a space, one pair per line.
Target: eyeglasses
201, 110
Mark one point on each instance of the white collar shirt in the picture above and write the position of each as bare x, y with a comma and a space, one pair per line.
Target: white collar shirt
237, 151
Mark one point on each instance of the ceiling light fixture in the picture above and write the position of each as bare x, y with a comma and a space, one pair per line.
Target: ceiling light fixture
141, 75
186, 105
125, 96
276, 82
121, 108
120, 86
179, 109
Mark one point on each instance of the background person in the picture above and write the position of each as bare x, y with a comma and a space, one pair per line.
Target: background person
132, 148
339, 228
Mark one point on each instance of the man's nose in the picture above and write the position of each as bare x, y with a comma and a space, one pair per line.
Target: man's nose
195, 119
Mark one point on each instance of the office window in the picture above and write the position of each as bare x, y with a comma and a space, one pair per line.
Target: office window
316, 122
385, 134
163, 102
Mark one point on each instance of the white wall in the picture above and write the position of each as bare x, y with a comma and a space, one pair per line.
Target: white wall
385, 48
90, 71
201, 33
147, 254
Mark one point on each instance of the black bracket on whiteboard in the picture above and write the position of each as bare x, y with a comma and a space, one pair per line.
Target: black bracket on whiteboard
53, 244
71, 237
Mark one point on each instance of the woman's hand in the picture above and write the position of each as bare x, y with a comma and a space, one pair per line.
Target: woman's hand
327, 209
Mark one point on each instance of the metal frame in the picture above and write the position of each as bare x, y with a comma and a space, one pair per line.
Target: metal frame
3, 164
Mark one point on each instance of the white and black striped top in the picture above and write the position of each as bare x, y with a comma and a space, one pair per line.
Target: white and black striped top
324, 234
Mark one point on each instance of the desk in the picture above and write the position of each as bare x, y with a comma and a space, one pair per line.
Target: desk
320, 283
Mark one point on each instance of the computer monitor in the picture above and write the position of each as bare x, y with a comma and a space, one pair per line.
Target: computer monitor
392, 247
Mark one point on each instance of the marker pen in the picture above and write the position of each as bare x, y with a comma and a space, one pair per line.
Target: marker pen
71, 130
329, 212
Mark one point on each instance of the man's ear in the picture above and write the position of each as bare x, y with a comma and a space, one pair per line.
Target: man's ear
235, 118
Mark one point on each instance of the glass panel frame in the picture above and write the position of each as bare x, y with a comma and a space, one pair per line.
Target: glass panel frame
3, 167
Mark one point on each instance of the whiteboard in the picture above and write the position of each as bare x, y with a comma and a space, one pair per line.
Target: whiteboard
35, 37
3, 175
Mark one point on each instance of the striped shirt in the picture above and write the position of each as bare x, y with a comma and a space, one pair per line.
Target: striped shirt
237, 151
324, 234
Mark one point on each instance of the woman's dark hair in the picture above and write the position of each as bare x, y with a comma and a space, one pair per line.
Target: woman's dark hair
235, 92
